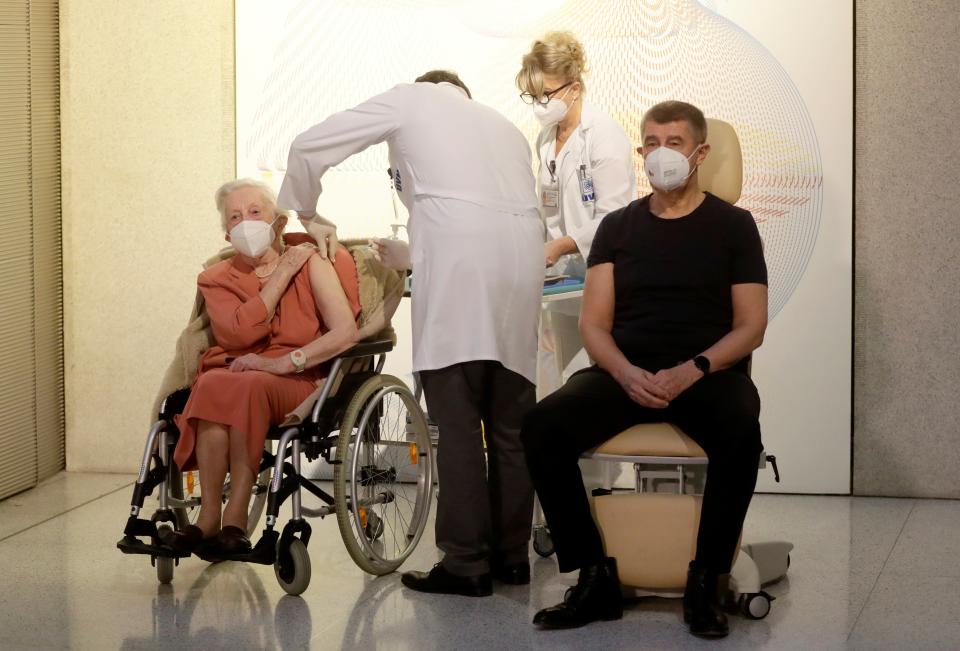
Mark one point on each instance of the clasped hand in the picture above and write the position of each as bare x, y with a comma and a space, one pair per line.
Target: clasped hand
253, 362
658, 390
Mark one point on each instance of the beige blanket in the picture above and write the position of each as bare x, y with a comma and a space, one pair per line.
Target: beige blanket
380, 292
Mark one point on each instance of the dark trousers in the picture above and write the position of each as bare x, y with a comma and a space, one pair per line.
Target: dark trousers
720, 412
485, 504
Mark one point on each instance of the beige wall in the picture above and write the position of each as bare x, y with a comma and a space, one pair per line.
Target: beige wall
907, 366
148, 135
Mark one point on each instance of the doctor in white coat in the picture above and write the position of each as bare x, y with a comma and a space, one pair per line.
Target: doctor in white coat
586, 170
464, 173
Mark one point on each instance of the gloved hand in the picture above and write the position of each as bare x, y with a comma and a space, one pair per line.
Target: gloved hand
324, 232
394, 254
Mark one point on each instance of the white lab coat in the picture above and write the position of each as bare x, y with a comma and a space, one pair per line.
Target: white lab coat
476, 240
600, 145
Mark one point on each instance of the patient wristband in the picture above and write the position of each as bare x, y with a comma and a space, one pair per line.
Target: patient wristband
299, 359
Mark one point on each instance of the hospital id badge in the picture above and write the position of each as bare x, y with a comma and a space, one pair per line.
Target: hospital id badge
587, 194
550, 196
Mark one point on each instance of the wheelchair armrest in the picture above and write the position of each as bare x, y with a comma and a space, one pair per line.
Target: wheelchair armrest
368, 347
174, 404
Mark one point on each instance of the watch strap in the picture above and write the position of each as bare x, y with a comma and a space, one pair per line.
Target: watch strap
299, 359
702, 363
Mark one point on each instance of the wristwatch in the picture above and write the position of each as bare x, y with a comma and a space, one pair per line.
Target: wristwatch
702, 363
299, 359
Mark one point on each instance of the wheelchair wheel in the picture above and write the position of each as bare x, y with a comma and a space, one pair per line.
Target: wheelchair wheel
163, 563
383, 478
185, 491
292, 567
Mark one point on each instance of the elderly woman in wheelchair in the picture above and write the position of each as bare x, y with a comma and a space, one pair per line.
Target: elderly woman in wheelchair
283, 345
277, 314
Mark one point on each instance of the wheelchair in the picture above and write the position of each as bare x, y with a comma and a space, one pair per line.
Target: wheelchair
367, 425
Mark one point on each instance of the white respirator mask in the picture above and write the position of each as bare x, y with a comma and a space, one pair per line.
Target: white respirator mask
252, 237
552, 112
667, 168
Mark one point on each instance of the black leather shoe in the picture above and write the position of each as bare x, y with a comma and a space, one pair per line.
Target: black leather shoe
511, 573
440, 581
186, 541
701, 604
232, 541
595, 597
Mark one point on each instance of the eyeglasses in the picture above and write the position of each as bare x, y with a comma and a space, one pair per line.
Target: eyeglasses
528, 97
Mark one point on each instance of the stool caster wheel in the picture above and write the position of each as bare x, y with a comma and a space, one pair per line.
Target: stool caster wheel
756, 605
542, 542
374, 529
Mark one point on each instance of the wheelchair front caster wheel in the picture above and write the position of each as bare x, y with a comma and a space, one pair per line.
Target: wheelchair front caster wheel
163, 563
756, 605
542, 542
292, 567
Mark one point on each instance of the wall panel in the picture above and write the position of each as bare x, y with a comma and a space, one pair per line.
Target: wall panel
906, 370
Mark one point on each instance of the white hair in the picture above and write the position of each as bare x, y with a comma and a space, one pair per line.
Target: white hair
225, 190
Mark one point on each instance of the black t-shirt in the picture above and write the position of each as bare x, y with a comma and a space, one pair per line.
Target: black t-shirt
672, 277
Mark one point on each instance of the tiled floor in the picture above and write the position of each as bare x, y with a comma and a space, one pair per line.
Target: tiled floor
866, 574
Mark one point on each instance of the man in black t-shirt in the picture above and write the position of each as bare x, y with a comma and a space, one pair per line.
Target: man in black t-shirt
674, 304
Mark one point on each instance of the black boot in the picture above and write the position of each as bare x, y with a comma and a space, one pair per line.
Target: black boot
701, 604
596, 596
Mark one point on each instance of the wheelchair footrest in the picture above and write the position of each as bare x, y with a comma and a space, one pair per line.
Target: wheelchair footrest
132, 545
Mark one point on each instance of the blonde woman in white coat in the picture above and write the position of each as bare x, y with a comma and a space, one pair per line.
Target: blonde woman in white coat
586, 170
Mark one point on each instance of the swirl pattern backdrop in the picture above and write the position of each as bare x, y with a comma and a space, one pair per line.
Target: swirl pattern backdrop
335, 54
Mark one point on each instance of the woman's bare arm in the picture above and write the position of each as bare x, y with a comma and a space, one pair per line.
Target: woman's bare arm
334, 309
336, 313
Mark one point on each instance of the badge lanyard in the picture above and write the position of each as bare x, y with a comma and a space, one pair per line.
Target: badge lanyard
551, 193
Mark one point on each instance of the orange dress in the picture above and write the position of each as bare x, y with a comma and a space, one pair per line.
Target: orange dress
252, 401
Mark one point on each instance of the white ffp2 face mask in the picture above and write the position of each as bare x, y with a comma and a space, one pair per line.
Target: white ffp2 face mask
252, 237
552, 112
667, 168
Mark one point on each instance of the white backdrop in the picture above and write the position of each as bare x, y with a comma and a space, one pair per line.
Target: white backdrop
750, 62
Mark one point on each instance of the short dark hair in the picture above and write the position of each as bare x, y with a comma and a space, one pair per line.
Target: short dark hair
438, 76
672, 111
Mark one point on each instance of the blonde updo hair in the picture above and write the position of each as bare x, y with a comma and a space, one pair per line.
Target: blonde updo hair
557, 53
228, 188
